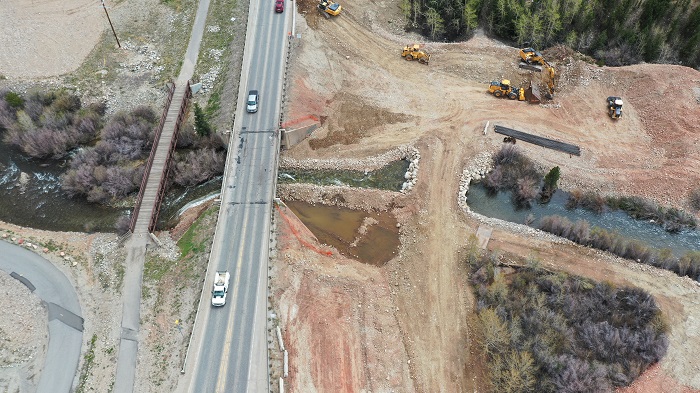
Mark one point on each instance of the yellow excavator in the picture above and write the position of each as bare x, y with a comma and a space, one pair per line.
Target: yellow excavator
531, 56
533, 60
329, 8
414, 52
505, 89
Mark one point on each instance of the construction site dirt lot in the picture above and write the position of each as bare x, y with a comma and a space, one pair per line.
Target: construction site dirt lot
409, 325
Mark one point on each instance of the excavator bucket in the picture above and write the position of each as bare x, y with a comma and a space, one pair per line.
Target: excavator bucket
532, 94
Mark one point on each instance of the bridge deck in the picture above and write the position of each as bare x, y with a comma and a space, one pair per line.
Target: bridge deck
150, 194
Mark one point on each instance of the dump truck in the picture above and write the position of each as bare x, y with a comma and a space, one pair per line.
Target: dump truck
218, 294
414, 52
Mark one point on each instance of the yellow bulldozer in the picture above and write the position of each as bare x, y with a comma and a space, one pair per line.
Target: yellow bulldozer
414, 52
329, 8
505, 89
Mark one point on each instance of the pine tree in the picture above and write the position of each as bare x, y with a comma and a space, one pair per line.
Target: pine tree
201, 125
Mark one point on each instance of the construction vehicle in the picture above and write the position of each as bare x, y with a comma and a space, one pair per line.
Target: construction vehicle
533, 60
329, 8
414, 52
504, 89
531, 56
218, 294
615, 107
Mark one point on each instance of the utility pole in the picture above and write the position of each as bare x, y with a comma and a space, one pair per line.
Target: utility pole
110, 24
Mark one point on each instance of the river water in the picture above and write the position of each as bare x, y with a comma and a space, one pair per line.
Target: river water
389, 177
39, 203
501, 206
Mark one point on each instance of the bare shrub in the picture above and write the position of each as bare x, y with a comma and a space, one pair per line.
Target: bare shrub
586, 199
112, 169
65, 102
689, 265
693, 196
526, 190
186, 136
494, 179
123, 224
580, 232
34, 109
513, 372
557, 332
8, 115
637, 251
195, 167
508, 154
46, 142
495, 332
119, 181
578, 376
50, 124
211, 141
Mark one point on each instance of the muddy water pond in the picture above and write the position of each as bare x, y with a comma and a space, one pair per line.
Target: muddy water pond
371, 238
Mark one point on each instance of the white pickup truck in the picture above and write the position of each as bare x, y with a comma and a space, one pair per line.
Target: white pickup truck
218, 294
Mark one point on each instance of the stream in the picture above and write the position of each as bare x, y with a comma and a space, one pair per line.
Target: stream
500, 206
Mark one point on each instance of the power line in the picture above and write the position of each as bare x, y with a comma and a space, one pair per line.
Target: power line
110, 24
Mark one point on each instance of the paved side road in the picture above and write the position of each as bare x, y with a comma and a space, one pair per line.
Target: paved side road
65, 321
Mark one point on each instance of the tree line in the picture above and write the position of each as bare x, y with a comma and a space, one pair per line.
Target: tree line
615, 33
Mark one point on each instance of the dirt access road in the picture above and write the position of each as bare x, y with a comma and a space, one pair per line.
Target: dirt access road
407, 326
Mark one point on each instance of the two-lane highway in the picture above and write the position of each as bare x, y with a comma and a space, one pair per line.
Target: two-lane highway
229, 347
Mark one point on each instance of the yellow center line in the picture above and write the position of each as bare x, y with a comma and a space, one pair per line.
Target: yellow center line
254, 151
221, 380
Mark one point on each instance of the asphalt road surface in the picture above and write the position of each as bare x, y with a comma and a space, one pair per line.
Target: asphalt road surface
229, 347
65, 322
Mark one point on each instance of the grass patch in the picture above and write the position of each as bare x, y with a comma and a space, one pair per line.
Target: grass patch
545, 331
119, 270
87, 364
155, 268
214, 102
192, 242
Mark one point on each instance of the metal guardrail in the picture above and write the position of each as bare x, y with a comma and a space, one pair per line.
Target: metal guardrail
149, 163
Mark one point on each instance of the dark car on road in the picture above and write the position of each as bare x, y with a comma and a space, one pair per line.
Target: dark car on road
279, 5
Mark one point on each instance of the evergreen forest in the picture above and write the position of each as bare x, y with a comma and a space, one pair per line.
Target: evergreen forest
613, 32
